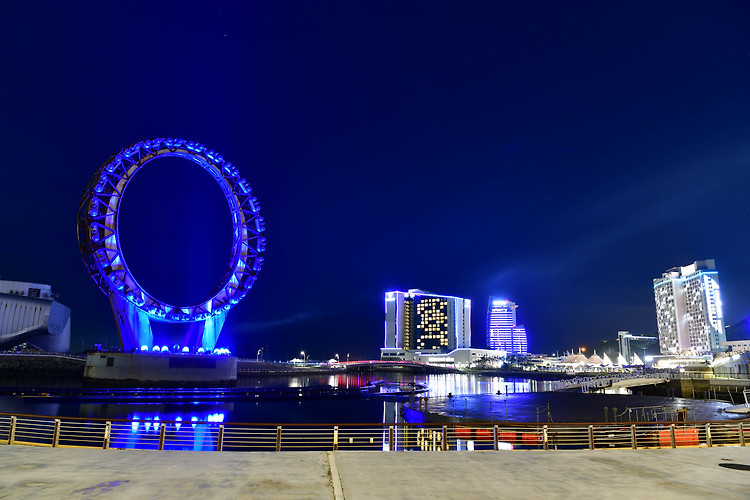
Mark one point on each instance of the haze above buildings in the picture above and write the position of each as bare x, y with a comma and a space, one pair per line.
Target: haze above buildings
559, 156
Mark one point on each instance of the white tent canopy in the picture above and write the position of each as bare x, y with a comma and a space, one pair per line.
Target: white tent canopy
596, 360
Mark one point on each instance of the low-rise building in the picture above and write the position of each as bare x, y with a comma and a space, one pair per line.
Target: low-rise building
457, 358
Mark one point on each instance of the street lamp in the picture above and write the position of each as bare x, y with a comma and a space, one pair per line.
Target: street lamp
304, 358
337, 358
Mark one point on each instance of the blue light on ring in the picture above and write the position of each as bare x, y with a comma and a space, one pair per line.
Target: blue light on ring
100, 246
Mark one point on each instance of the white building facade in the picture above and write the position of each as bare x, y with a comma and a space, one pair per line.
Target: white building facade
30, 314
688, 310
457, 358
502, 331
421, 321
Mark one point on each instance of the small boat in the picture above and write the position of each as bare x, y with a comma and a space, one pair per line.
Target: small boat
396, 389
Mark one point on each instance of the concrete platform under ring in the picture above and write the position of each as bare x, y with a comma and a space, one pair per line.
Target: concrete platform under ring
31, 472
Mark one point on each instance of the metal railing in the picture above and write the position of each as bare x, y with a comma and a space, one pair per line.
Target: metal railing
34, 430
606, 380
40, 354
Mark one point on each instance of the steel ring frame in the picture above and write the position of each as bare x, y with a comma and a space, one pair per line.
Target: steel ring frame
99, 240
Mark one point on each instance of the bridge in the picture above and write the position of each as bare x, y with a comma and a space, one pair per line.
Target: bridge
610, 381
376, 364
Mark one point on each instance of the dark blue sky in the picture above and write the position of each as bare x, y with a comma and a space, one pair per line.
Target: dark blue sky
559, 154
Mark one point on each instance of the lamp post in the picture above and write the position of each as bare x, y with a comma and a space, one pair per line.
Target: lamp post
337, 358
304, 357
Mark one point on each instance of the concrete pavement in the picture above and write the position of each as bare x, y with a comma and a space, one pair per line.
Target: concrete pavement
31, 472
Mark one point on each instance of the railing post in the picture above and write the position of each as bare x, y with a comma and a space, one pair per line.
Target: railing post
391, 437
12, 430
544, 437
672, 439
220, 439
633, 442
278, 438
742, 435
495, 438
107, 434
162, 433
56, 434
335, 437
708, 435
591, 437
445, 438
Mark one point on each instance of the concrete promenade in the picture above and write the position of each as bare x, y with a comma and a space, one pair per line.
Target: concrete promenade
31, 472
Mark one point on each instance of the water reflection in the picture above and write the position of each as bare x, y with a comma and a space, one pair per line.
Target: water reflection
438, 384
460, 384
172, 431
471, 396
533, 407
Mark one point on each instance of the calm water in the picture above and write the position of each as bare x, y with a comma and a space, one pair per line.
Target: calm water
451, 396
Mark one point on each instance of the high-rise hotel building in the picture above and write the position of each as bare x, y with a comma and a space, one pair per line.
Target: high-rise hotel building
420, 321
503, 333
688, 310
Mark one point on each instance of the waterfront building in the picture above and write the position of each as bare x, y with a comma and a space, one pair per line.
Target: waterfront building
502, 331
519, 344
30, 314
421, 321
688, 310
464, 357
629, 345
734, 363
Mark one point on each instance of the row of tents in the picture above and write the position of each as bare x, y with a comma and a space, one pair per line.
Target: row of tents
580, 359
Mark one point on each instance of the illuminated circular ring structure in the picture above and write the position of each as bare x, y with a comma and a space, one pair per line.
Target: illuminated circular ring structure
99, 242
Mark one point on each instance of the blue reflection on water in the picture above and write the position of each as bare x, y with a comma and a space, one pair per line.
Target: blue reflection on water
193, 425
146, 428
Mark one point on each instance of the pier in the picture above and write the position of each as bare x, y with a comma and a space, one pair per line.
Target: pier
31, 472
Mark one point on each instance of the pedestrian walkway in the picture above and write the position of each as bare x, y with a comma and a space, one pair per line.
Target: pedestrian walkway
32, 472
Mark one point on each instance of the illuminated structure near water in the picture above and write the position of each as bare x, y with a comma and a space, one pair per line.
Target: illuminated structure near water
134, 308
502, 331
688, 310
422, 321
30, 313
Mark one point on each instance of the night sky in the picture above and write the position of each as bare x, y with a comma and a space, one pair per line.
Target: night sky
558, 154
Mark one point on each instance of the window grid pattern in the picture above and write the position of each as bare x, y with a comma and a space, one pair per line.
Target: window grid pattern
431, 317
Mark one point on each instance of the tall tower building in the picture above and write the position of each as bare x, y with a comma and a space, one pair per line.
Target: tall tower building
519, 344
420, 321
502, 331
688, 310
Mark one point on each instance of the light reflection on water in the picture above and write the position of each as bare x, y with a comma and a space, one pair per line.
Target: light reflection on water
181, 431
565, 407
194, 425
439, 385
475, 396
